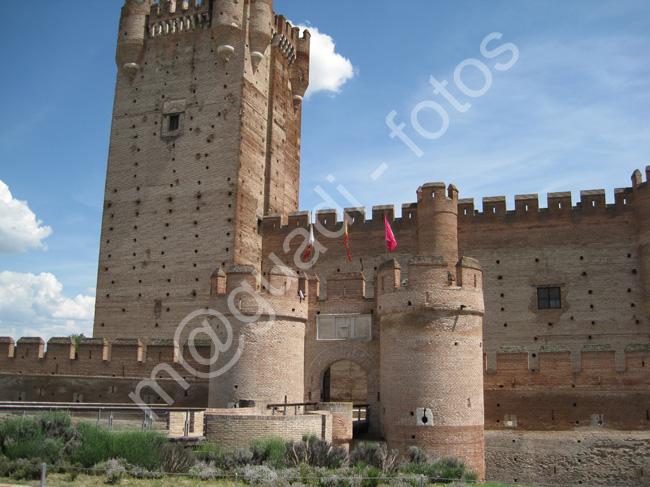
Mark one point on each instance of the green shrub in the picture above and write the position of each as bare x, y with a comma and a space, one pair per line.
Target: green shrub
441, 470
141, 448
56, 424
94, 447
26, 469
269, 451
138, 448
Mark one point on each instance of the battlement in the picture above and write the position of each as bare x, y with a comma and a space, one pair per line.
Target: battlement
598, 366
430, 285
126, 358
288, 40
637, 178
494, 208
558, 205
170, 17
242, 290
349, 285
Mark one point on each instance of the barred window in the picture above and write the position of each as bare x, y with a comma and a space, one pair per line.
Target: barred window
549, 298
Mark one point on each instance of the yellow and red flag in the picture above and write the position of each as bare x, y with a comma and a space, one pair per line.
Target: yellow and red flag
347, 243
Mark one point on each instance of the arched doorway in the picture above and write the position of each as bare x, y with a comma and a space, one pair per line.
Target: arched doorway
345, 381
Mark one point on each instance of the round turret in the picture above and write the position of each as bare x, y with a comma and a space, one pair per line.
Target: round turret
227, 26
431, 350
300, 68
132, 32
263, 333
261, 28
438, 222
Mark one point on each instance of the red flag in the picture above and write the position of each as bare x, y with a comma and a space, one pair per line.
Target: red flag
310, 244
347, 244
391, 243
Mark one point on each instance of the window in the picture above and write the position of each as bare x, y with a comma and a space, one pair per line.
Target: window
549, 298
174, 122
344, 327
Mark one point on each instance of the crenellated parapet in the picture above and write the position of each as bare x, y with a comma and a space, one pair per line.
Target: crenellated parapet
346, 286
591, 366
286, 38
95, 357
170, 17
242, 291
296, 48
430, 286
559, 205
431, 217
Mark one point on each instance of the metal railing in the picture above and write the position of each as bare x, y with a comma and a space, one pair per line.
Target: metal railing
116, 414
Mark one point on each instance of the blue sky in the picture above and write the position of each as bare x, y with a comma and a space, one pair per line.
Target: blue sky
569, 114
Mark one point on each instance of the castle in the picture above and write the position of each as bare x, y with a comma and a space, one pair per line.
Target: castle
504, 337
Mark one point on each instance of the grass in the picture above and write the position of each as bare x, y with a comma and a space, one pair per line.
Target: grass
62, 480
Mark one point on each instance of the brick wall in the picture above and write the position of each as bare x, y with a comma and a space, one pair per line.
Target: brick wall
238, 429
180, 203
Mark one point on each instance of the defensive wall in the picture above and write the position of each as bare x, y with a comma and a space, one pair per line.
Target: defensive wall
550, 395
596, 253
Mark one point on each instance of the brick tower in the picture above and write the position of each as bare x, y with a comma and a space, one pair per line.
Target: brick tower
267, 327
431, 356
205, 141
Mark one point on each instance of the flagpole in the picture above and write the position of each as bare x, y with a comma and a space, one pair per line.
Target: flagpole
385, 242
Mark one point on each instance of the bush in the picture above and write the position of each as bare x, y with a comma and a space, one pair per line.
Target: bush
259, 474
24, 469
114, 469
176, 459
95, 445
136, 447
316, 453
441, 470
240, 458
26, 438
204, 471
56, 424
269, 451
141, 448
374, 454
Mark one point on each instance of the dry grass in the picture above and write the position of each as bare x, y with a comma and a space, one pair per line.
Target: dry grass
62, 480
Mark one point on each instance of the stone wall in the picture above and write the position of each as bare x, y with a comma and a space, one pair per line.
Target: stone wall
587, 457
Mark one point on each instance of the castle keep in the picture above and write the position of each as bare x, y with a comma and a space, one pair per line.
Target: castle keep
516, 339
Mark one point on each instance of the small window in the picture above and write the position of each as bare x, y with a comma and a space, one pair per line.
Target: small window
174, 122
549, 298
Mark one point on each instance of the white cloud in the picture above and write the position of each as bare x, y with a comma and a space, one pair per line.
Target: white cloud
328, 70
34, 305
19, 228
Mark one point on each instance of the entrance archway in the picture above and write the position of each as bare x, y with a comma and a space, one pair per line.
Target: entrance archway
345, 381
